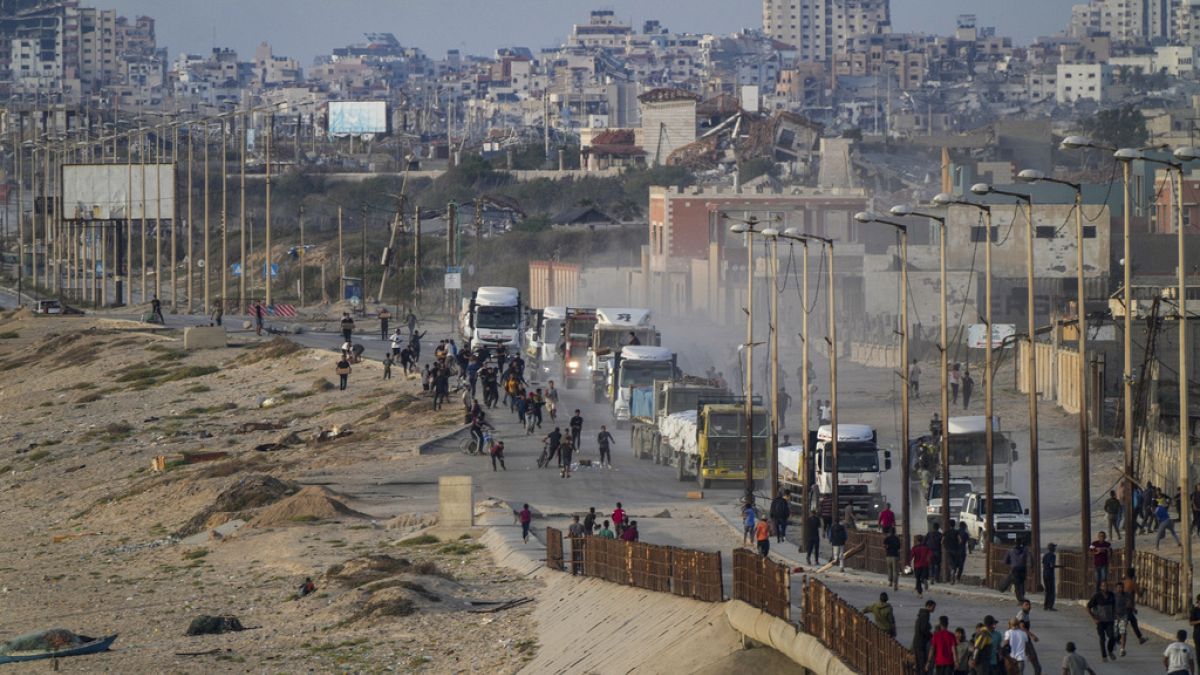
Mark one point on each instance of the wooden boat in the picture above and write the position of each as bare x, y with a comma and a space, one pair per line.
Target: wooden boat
87, 645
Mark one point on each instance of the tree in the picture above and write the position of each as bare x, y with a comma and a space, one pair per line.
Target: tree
1124, 127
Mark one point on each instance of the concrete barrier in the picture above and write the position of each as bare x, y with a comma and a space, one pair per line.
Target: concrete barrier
456, 502
203, 337
783, 637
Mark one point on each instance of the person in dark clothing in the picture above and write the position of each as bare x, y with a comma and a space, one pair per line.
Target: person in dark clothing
343, 373
605, 440
837, 539
441, 387
891, 553
949, 548
1017, 560
411, 322
780, 512
812, 539
259, 313
1194, 622
576, 425
156, 309
553, 441
633, 340
934, 541
1102, 608
923, 633
414, 343
498, 455
964, 542
968, 386
1049, 564
347, 324
384, 317
589, 522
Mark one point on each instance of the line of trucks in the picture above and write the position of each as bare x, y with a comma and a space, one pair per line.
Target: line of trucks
699, 427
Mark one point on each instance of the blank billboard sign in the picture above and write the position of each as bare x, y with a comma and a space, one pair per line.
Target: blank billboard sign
357, 117
105, 191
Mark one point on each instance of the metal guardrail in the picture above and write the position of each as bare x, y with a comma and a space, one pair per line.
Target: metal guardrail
761, 582
848, 633
554, 549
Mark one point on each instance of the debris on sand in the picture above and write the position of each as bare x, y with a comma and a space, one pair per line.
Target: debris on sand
249, 427
249, 492
312, 504
214, 625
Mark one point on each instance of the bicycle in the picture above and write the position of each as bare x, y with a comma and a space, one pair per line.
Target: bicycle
544, 459
469, 446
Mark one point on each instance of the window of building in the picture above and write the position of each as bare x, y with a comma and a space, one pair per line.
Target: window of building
977, 234
1044, 232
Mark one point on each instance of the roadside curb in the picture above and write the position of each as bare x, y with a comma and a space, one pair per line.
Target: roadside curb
424, 447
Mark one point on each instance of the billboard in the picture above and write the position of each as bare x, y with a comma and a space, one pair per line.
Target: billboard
104, 191
353, 118
977, 335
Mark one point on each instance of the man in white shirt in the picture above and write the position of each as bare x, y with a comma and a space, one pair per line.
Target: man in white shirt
1074, 664
1017, 640
1177, 658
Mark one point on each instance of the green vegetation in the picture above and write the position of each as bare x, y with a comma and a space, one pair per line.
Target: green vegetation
9, 335
460, 548
419, 540
1123, 127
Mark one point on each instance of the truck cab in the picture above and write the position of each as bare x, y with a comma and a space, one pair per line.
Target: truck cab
650, 405
968, 450
575, 337
721, 441
959, 488
612, 332
542, 337
1012, 519
637, 367
860, 480
493, 316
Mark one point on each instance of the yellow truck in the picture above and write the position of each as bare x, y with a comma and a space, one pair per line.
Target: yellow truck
709, 443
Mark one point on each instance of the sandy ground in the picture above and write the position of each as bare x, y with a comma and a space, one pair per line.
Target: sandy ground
92, 535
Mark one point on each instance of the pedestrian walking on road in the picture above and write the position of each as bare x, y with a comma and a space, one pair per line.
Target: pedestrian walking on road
1049, 564
785, 400
526, 517
762, 536
384, 317
891, 553
156, 309
964, 543
1112, 512
824, 412
498, 455
1099, 551
1102, 609
950, 548
968, 386
1017, 560
837, 539
1132, 590
923, 633
920, 557
942, 648
259, 313
576, 425
347, 324
411, 322
604, 441
1165, 523
934, 541
343, 373
812, 539
780, 512
887, 518
1017, 642
749, 520
551, 397
396, 343
883, 614
553, 442
1178, 658
566, 450
955, 383
218, 311
414, 343
1074, 663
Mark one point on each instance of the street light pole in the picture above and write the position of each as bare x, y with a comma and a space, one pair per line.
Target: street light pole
1035, 510
902, 231
772, 236
945, 199
747, 228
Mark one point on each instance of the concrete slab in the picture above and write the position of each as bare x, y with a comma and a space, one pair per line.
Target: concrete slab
203, 337
456, 502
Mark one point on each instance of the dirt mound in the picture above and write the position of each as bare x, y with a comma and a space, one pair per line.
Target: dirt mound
312, 504
249, 492
275, 349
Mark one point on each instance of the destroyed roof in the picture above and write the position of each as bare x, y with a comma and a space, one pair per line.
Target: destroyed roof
721, 104
615, 142
665, 94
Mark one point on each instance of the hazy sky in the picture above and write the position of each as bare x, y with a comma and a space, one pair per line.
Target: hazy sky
305, 28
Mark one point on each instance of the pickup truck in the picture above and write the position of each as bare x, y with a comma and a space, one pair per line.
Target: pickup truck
1012, 520
959, 489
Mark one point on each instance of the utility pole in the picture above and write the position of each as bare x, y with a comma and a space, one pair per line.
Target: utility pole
128, 285
301, 256
224, 295
142, 253
362, 262
191, 254
1185, 420
416, 255
242, 218
267, 243
341, 257
175, 220
19, 147
207, 248
158, 149
451, 230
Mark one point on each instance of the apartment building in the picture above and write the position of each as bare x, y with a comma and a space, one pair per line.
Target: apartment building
820, 28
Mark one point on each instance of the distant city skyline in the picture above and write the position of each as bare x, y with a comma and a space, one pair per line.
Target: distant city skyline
304, 29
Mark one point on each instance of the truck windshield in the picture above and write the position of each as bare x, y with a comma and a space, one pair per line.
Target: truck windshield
971, 449
644, 373
1004, 506
581, 327
734, 425
854, 457
957, 490
612, 337
551, 330
495, 317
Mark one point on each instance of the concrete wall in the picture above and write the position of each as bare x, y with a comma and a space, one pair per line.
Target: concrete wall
203, 337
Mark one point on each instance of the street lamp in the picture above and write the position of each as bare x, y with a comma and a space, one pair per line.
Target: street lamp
772, 236
746, 227
904, 210
1085, 516
946, 199
872, 217
793, 234
1030, 358
827, 243
1125, 156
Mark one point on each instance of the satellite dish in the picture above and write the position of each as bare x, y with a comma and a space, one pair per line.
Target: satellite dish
200, 263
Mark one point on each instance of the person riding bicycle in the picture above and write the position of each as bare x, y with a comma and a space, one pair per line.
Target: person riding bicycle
478, 424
